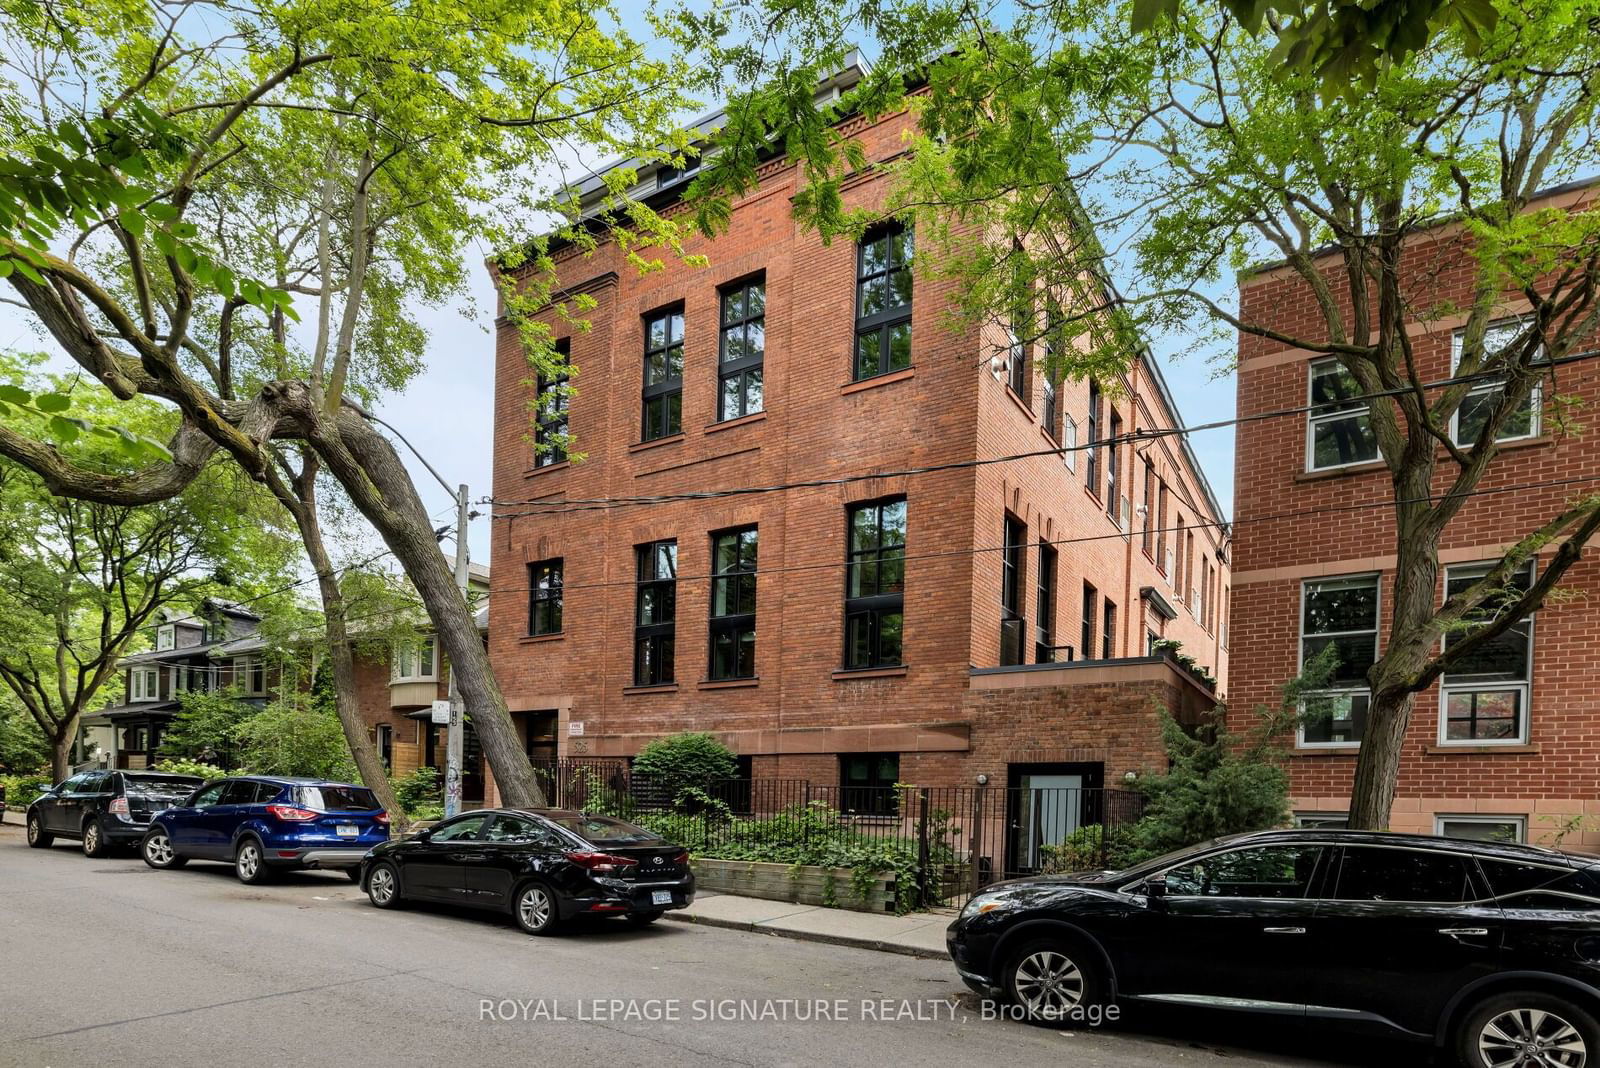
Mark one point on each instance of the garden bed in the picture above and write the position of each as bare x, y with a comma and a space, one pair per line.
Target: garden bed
803, 884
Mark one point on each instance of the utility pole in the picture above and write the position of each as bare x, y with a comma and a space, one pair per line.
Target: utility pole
457, 731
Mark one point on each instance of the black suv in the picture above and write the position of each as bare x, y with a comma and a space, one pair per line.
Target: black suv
105, 808
1492, 949
543, 866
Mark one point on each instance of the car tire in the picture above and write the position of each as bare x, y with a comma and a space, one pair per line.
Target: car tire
38, 837
536, 910
1495, 1033
1053, 980
94, 839
250, 863
157, 851
644, 919
383, 886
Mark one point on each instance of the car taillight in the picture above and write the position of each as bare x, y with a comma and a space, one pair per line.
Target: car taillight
382, 818
604, 863
682, 858
119, 807
291, 813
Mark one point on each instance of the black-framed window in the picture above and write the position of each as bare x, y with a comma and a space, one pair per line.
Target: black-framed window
383, 737
1090, 603
1147, 538
663, 374
867, 781
1044, 613
655, 612
733, 604
1091, 461
1050, 414
1011, 620
874, 606
1114, 470
545, 580
741, 350
883, 302
550, 415
1108, 629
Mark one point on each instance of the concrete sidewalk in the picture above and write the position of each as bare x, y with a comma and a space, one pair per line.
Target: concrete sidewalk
920, 934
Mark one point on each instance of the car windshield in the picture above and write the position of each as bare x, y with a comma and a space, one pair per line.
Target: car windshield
603, 830
1166, 860
159, 787
336, 798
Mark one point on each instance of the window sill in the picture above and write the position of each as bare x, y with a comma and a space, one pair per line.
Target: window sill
849, 674
878, 380
728, 684
1016, 398
535, 472
656, 443
1478, 749
1325, 751
1367, 467
743, 420
665, 687
530, 639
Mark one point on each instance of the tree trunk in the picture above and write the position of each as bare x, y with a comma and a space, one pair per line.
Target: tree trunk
1378, 765
367, 466
61, 749
373, 774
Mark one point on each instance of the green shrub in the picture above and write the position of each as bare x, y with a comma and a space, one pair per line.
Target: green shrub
204, 727
681, 761
294, 739
419, 789
22, 789
208, 772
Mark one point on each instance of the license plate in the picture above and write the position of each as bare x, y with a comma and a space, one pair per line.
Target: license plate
661, 897
347, 830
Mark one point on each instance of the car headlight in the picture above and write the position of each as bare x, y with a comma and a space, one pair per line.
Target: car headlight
982, 903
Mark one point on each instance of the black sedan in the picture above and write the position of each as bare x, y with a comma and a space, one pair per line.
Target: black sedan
1492, 949
543, 866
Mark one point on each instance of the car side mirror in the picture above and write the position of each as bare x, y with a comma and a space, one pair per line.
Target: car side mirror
1154, 889
423, 835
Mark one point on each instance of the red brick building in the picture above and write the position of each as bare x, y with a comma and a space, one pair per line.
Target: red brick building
1511, 749
984, 618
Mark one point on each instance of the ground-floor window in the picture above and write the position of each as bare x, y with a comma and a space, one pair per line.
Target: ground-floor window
866, 783
1321, 820
1483, 828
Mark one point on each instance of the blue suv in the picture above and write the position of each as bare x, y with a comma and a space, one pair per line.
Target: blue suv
263, 824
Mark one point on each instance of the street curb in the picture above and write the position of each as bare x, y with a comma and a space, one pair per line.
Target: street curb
813, 936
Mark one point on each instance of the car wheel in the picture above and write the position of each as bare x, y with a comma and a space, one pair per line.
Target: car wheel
38, 837
1529, 1030
94, 839
249, 864
158, 852
1052, 980
643, 919
383, 886
536, 909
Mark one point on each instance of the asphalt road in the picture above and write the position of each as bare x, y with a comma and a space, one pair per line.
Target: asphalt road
107, 962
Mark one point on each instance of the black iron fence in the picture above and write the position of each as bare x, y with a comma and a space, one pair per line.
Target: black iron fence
949, 841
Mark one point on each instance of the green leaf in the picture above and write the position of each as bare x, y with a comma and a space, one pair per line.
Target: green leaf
162, 211
28, 272
64, 430
132, 222
14, 394
52, 402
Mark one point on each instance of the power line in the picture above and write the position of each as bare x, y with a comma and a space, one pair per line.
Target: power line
976, 550
544, 506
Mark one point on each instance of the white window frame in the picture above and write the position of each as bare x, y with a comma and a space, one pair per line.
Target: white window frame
166, 637
1525, 687
144, 684
1300, 649
1069, 440
414, 646
1321, 820
1314, 420
243, 668
1518, 822
1535, 396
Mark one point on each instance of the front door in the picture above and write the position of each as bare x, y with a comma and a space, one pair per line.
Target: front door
433, 870
55, 811
1045, 804
1232, 930
187, 825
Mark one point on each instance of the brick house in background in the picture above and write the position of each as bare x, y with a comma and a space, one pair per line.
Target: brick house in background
990, 619
218, 648
1507, 749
